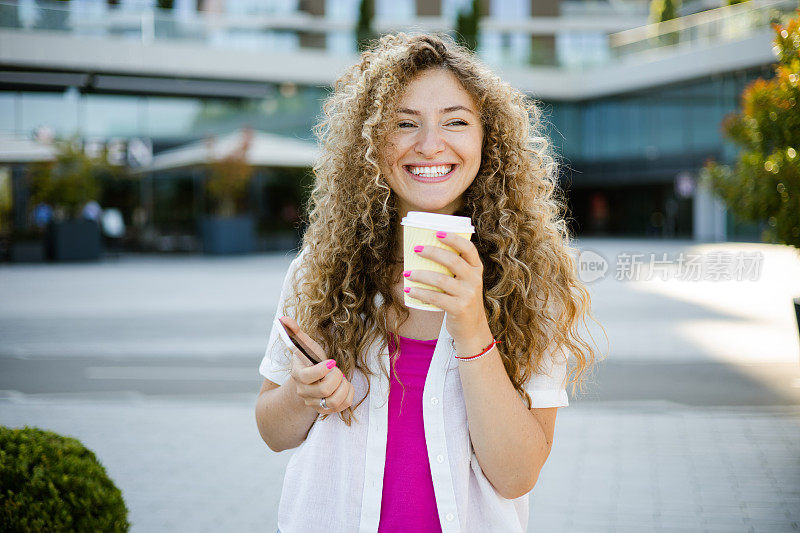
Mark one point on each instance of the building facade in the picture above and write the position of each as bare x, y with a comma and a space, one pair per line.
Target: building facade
633, 114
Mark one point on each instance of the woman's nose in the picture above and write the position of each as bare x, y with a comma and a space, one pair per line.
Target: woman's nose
431, 141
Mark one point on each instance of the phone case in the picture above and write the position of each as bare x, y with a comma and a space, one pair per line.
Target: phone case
291, 343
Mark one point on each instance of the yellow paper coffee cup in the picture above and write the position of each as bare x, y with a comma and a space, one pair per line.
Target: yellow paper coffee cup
419, 228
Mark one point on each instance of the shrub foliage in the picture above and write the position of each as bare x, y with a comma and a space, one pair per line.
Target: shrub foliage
49, 482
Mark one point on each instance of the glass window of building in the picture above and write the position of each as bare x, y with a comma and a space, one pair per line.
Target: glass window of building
256, 38
450, 8
565, 129
341, 42
113, 116
395, 10
508, 48
170, 117
637, 127
57, 111
670, 125
576, 50
613, 126
8, 112
590, 132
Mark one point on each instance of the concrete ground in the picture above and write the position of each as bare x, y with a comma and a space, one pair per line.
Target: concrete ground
691, 423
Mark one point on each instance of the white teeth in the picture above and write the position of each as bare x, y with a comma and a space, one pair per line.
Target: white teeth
431, 171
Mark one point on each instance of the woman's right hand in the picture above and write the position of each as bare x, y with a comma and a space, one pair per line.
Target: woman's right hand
315, 382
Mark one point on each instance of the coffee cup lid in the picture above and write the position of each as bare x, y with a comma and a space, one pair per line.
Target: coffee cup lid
438, 221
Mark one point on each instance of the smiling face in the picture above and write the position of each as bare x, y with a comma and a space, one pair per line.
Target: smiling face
434, 145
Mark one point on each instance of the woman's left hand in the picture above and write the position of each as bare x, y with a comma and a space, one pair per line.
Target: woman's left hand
462, 298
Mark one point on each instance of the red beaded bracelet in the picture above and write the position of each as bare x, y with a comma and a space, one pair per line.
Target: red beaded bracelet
485, 350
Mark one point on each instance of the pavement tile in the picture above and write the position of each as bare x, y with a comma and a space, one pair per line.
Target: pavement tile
781, 528
774, 525
776, 513
643, 528
726, 528
679, 522
587, 528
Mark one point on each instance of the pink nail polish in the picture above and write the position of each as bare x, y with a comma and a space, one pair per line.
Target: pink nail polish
407, 289
406, 273
418, 248
330, 364
441, 234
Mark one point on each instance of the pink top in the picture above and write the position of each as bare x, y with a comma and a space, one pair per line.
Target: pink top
408, 502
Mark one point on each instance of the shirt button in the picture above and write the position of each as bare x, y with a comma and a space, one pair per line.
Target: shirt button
440, 458
449, 517
435, 400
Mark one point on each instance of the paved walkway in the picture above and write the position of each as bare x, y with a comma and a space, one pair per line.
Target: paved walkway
628, 467
707, 456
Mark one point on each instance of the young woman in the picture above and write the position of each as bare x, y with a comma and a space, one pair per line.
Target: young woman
415, 432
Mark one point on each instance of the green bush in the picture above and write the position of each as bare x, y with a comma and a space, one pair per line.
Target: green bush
49, 482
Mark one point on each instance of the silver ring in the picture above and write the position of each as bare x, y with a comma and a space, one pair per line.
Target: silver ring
323, 404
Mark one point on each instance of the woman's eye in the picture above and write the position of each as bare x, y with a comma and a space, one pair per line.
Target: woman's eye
454, 123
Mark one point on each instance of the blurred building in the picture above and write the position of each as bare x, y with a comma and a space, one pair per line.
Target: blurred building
633, 109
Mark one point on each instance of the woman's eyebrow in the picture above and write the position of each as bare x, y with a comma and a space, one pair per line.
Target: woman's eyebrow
442, 111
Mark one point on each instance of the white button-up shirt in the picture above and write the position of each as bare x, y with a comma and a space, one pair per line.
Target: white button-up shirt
334, 479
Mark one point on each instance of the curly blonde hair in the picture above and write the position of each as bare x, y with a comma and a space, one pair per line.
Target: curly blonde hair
532, 296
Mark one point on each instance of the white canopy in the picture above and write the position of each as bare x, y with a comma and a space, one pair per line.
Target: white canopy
265, 150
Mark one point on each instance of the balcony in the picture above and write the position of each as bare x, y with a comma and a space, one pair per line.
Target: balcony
597, 49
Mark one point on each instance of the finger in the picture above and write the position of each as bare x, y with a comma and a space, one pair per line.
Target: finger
336, 400
313, 373
301, 358
349, 401
448, 258
435, 279
292, 324
439, 299
328, 385
298, 362
464, 247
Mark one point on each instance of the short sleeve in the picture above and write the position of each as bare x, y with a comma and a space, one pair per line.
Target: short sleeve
549, 388
276, 364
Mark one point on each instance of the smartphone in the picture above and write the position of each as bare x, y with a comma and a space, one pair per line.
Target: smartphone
290, 339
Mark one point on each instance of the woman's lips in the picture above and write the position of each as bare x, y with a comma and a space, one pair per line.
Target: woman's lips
425, 179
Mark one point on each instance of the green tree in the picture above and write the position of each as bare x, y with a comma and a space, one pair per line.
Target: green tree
663, 10
73, 179
229, 176
765, 181
6, 201
364, 33
466, 32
